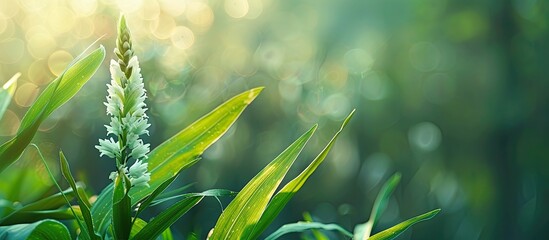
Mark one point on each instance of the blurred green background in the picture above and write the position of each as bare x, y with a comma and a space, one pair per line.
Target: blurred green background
453, 94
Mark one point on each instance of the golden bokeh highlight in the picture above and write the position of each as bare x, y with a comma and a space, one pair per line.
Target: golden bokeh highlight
237, 8
58, 61
200, 14
26, 94
83, 7
60, 19
182, 37
9, 123
40, 43
162, 26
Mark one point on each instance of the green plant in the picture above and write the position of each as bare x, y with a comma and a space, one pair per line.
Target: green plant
142, 175
16, 213
362, 231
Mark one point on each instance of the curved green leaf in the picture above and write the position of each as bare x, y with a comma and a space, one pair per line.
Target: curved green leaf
140, 224
287, 192
303, 226
56, 94
239, 218
165, 219
47, 207
396, 230
84, 207
45, 230
178, 153
363, 231
6, 93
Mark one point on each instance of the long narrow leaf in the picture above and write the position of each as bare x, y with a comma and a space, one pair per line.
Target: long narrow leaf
165, 219
287, 192
363, 231
179, 152
147, 201
303, 226
140, 224
56, 94
396, 230
6, 93
33, 216
75, 211
121, 216
50, 203
66, 172
207, 193
45, 229
239, 218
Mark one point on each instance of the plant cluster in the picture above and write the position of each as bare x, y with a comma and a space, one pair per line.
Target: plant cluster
141, 175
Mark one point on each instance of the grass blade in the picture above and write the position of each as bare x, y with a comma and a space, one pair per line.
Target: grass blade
289, 190
6, 93
50, 203
121, 217
140, 224
303, 226
178, 153
84, 207
45, 229
56, 94
147, 201
363, 231
239, 218
165, 219
207, 193
33, 216
396, 230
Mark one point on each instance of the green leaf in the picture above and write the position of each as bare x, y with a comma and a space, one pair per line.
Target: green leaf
121, 216
207, 193
165, 219
6, 93
303, 226
316, 233
239, 218
33, 216
45, 229
363, 231
56, 94
178, 153
287, 192
396, 230
46, 206
66, 172
147, 201
140, 224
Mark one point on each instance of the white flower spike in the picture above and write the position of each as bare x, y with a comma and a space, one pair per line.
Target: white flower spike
126, 107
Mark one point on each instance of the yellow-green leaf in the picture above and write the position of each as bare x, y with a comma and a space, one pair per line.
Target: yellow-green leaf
45, 229
56, 94
289, 190
6, 93
239, 218
178, 153
396, 230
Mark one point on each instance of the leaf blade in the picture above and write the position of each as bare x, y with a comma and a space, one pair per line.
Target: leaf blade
179, 152
6, 93
363, 231
165, 219
283, 196
45, 229
56, 94
303, 226
85, 209
396, 230
239, 218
